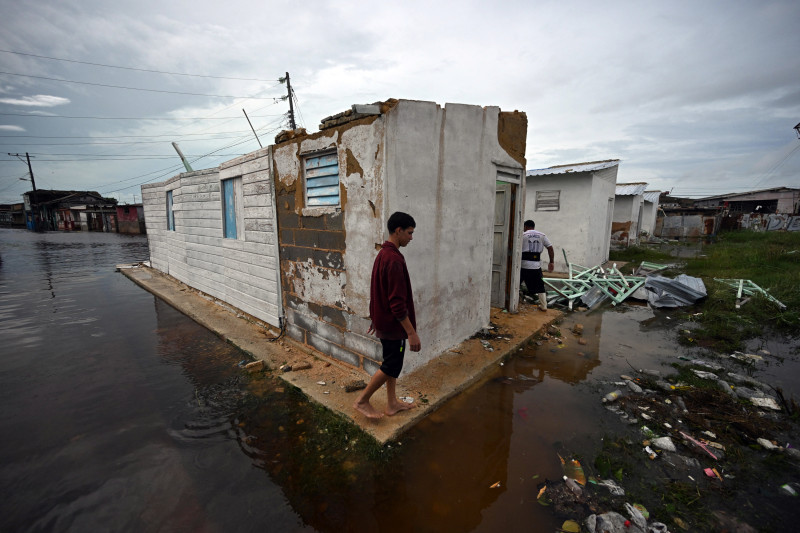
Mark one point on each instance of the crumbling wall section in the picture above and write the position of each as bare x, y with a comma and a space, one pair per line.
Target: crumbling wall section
327, 252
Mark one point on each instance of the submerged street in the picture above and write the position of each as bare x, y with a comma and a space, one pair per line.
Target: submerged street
121, 414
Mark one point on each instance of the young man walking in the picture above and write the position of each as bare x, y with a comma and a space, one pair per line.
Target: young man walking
533, 244
391, 309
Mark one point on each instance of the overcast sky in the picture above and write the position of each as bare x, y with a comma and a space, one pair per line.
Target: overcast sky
697, 97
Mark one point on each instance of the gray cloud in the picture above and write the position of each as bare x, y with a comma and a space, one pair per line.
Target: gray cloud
37, 100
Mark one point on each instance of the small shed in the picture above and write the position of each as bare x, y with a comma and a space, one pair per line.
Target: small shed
628, 213
288, 233
649, 212
573, 204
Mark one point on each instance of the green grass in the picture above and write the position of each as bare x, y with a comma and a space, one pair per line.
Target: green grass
637, 254
769, 259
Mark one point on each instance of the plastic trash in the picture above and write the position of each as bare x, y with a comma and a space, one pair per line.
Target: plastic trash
664, 443
612, 396
573, 470
791, 489
574, 487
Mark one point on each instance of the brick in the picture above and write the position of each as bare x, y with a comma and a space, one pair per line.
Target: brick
328, 259
313, 222
287, 236
308, 238
297, 333
331, 240
366, 346
337, 352
371, 366
335, 222
288, 220
296, 254
285, 204
334, 316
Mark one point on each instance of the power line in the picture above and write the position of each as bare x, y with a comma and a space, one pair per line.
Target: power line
139, 88
132, 68
132, 118
117, 136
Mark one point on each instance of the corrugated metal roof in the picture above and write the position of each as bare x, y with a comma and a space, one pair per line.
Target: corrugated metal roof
577, 167
652, 196
630, 189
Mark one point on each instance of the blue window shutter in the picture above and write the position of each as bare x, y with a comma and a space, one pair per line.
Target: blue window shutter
229, 209
322, 180
170, 214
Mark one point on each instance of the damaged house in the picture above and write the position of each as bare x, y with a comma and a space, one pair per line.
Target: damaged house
288, 233
573, 204
628, 212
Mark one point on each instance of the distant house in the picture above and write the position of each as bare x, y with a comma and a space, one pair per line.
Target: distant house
573, 204
49, 210
778, 200
649, 211
289, 232
628, 213
12, 215
130, 219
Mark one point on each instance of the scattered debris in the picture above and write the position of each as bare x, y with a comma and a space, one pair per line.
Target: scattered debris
353, 386
745, 287
255, 366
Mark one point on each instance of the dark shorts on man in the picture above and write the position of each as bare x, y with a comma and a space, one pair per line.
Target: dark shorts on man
393, 352
532, 279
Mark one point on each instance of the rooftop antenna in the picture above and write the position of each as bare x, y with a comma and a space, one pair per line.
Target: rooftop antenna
180, 154
797, 129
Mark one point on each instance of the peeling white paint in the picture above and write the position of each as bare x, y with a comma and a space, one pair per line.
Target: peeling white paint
316, 284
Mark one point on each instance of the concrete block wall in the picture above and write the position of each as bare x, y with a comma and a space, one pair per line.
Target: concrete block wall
324, 250
241, 272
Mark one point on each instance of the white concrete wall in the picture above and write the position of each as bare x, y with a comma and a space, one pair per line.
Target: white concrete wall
581, 225
441, 166
242, 271
649, 212
437, 164
627, 209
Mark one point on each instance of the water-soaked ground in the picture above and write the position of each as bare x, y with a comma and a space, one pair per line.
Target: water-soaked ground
121, 414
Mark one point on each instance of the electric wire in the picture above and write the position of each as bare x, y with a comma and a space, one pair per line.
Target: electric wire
132, 68
139, 88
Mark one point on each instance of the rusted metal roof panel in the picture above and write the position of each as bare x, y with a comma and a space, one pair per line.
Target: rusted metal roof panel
573, 168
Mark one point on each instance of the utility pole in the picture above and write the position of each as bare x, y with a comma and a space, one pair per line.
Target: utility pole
33, 184
291, 106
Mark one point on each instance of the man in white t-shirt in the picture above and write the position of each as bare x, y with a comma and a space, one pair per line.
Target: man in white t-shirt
533, 244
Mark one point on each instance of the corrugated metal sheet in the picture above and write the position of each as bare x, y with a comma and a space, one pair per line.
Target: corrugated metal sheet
630, 189
570, 169
652, 196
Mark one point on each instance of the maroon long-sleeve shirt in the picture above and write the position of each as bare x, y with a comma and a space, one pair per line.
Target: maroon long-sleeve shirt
390, 298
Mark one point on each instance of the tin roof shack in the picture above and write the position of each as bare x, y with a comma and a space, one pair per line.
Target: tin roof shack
687, 223
780, 200
130, 219
215, 230
649, 212
628, 206
573, 204
69, 210
457, 170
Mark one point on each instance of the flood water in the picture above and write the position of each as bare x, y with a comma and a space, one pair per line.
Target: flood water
121, 414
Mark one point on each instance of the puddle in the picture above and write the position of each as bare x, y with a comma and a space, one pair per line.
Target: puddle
123, 414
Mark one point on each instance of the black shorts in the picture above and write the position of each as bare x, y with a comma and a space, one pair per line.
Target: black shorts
393, 352
532, 279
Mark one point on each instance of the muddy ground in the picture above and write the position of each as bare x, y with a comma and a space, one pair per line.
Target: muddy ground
697, 453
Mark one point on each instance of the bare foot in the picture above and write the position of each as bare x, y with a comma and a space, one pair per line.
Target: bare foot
396, 406
367, 410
